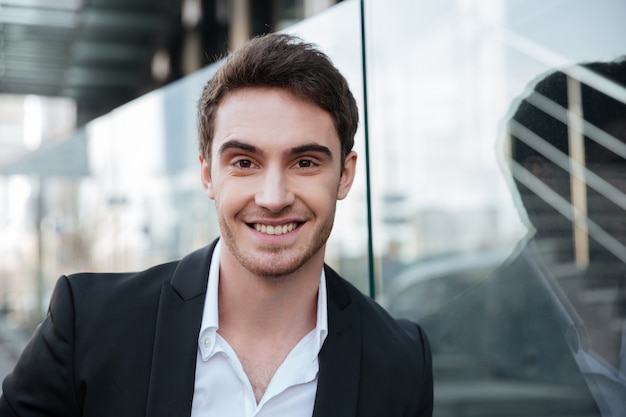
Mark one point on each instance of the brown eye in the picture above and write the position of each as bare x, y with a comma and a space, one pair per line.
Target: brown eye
243, 163
305, 163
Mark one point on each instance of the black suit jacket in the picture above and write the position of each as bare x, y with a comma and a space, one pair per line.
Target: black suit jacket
125, 345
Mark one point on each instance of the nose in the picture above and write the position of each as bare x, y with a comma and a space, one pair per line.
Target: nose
274, 193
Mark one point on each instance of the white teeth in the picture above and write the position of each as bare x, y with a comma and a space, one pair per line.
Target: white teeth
275, 230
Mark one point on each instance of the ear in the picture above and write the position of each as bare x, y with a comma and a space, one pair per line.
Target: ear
205, 175
347, 175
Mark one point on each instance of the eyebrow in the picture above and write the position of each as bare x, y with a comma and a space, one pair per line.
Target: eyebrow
309, 147
235, 144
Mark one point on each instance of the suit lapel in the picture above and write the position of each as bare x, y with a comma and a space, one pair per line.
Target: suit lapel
340, 357
178, 323
176, 337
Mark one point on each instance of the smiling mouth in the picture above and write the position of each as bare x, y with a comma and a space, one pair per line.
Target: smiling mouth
274, 230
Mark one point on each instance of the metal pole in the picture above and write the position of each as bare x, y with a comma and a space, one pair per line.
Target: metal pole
368, 192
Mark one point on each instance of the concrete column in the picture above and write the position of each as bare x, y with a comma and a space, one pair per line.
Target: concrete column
240, 23
312, 7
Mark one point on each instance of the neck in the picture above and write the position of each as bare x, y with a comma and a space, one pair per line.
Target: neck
255, 306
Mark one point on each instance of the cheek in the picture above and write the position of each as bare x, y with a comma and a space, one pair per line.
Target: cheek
230, 197
320, 194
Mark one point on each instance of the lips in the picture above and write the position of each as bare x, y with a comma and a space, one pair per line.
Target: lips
269, 229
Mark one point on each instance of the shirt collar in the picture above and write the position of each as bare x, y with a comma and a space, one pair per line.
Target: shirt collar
210, 316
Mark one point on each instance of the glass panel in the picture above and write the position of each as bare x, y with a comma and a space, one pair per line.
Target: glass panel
124, 193
337, 32
525, 312
144, 200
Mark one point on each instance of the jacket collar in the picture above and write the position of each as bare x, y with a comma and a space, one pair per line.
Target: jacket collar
179, 316
340, 357
190, 277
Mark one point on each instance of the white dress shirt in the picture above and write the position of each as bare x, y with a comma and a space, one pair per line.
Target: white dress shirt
222, 388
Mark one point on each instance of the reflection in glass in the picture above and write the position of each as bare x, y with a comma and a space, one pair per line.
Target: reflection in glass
576, 116
548, 324
525, 318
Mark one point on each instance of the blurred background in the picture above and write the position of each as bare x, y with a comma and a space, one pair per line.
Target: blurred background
66, 66
98, 154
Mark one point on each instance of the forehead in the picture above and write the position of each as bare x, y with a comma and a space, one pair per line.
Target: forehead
272, 118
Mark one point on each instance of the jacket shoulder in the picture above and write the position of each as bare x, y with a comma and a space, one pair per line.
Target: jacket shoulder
396, 361
85, 281
377, 325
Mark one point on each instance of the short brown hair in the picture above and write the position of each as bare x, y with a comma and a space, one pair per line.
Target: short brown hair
286, 62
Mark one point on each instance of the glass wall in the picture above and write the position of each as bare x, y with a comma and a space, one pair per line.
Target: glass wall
504, 239
499, 223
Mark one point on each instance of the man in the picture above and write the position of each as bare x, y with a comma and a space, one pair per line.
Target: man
550, 324
255, 323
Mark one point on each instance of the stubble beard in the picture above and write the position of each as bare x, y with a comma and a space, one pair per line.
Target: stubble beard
276, 263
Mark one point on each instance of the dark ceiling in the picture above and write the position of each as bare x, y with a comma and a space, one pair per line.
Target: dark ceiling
98, 52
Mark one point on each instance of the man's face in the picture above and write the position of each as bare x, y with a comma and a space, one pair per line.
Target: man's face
275, 175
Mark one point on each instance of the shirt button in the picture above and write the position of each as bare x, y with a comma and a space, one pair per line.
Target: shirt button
207, 341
